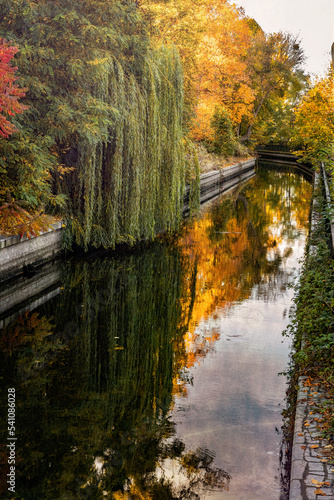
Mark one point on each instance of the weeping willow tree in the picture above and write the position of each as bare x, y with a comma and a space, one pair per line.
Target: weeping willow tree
108, 107
129, 184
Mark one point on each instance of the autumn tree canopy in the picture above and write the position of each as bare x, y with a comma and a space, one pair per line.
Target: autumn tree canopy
229, 62
10, 92
314, 123
272, 61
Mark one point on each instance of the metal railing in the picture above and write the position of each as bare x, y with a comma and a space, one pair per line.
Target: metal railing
329, 207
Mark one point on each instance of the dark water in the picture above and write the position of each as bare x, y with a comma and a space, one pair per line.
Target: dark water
153, 374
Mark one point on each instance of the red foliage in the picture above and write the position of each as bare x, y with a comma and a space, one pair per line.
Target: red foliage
9, 91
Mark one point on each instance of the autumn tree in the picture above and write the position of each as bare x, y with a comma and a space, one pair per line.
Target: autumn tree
229, 63
272, 62
212, 37
14, 218
314, 123
10, 92
276, 119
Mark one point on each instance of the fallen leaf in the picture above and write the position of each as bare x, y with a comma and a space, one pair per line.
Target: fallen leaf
303, 447
317, 483
319, 492
313, 446
300, 434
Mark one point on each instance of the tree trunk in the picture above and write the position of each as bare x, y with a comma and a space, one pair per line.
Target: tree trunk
247, 135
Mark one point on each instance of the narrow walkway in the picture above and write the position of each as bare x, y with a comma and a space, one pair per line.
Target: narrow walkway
312, 477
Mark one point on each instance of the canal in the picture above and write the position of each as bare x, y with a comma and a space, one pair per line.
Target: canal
156, 372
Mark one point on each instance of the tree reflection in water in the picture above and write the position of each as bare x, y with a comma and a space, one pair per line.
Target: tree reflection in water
93, 371
97, 368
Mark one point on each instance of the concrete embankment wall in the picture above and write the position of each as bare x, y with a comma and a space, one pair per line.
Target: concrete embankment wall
217, 182
282, 159
19, 255
26, 293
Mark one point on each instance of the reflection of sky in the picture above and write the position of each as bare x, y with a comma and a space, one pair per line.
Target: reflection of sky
234, 406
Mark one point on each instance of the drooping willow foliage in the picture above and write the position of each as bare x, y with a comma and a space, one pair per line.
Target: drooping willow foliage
129, 184
108, 106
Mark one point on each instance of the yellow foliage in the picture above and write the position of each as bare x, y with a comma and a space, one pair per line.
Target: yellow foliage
212, 37
314, 125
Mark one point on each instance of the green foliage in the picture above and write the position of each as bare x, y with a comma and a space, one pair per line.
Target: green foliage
129, 184
313, 319
273, 68
108, 108
26, 164
224, 141
192, 175
276, 118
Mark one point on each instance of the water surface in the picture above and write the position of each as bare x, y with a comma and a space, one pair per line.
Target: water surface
154, 372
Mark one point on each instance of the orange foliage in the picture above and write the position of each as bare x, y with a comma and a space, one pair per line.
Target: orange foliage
16, 220
314, 124
213, 38
221, 77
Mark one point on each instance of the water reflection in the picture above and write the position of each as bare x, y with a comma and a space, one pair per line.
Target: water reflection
240, 248
244, 262
98, 370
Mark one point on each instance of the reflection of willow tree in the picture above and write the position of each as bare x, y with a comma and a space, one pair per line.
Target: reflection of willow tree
237, 245
95, 418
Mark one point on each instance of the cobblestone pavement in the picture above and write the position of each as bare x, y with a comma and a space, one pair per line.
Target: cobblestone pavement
312, 477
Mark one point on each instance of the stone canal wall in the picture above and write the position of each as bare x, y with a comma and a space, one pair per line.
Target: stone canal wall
26, 293
19, 255
217, 182
22, 255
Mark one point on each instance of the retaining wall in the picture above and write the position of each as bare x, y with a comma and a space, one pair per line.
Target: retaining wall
217, 182
26, 293
283, 158
21, 255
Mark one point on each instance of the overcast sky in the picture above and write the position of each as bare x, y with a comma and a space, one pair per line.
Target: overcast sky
311, 20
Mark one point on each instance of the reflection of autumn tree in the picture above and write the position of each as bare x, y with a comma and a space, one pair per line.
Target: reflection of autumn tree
238, 244
29, 340
94, 417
